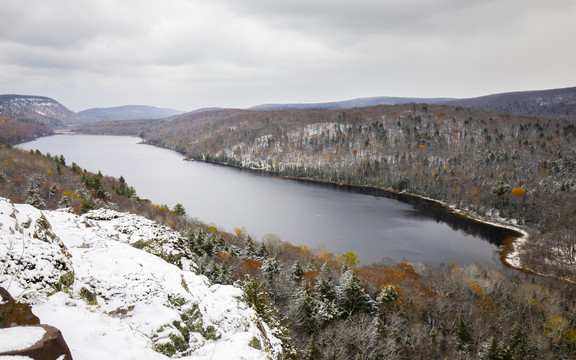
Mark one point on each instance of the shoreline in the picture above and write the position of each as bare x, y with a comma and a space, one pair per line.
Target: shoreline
509, 251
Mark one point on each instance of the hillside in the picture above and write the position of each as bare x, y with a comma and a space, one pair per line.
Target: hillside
98, 274
24, 117
348, 104
555, 103
36, 109
128, 112
90, 270
470, 159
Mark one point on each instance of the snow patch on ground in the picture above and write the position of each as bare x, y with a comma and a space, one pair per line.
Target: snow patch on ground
88, 276
19, 338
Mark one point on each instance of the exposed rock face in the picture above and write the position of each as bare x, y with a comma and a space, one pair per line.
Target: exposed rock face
51, 347
18, 317
13, 313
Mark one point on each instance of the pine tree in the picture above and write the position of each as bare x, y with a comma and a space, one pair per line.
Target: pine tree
262, 252
249, 249
179, 209
271, 267
33, 192
517, 341
313, 352
303, 308
350, 296
297, 271
464, 334
255, 295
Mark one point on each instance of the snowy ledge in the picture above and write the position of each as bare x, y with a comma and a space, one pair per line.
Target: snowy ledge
110, 299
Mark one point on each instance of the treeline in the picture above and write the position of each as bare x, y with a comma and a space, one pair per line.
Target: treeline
49, 182
14, 131
324, 306
501, 167
340, 310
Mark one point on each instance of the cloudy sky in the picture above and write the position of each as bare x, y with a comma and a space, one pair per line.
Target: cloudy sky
189, 54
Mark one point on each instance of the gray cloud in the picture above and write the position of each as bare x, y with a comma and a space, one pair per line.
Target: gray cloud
193, 53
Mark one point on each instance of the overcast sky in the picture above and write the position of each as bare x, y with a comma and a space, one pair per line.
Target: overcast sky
189, 54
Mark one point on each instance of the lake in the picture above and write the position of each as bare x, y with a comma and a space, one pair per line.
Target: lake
334, 218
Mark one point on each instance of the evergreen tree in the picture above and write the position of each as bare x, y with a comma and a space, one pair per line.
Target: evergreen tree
464, 334
255, 295
179, 209
350, 296
271, 267
313, 352
303, 308
517, 341
262, 252
327, 309
297, 271
33, 192
249, 249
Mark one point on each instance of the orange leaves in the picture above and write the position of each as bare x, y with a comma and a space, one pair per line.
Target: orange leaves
382, 277
476, 288
310, 276
250, 266
518, 192
483, 300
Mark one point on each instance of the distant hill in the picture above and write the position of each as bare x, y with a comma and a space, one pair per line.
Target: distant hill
25, 117
555, 103
354, 103
38, 110
128, 112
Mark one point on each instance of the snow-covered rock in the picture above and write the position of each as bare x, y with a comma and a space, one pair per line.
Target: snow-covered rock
90, 277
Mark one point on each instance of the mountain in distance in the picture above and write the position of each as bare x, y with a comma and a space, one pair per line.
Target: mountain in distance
39, 110
128, 112
555, 103
347, 104
25, 117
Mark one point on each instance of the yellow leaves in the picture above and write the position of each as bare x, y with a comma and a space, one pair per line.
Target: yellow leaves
543, 171
49, 172
213, 229
302, 248
71, 195
238, 231
557, 328
422, 146
349, 259
518, 192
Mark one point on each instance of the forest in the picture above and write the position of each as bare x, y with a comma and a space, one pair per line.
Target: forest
327, 306
509, 169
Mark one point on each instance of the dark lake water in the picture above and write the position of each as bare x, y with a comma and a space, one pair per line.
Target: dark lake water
335, 218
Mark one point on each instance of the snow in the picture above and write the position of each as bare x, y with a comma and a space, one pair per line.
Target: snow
19, 338
139, 303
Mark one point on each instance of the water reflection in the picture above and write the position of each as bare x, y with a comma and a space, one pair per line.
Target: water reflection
372, 223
